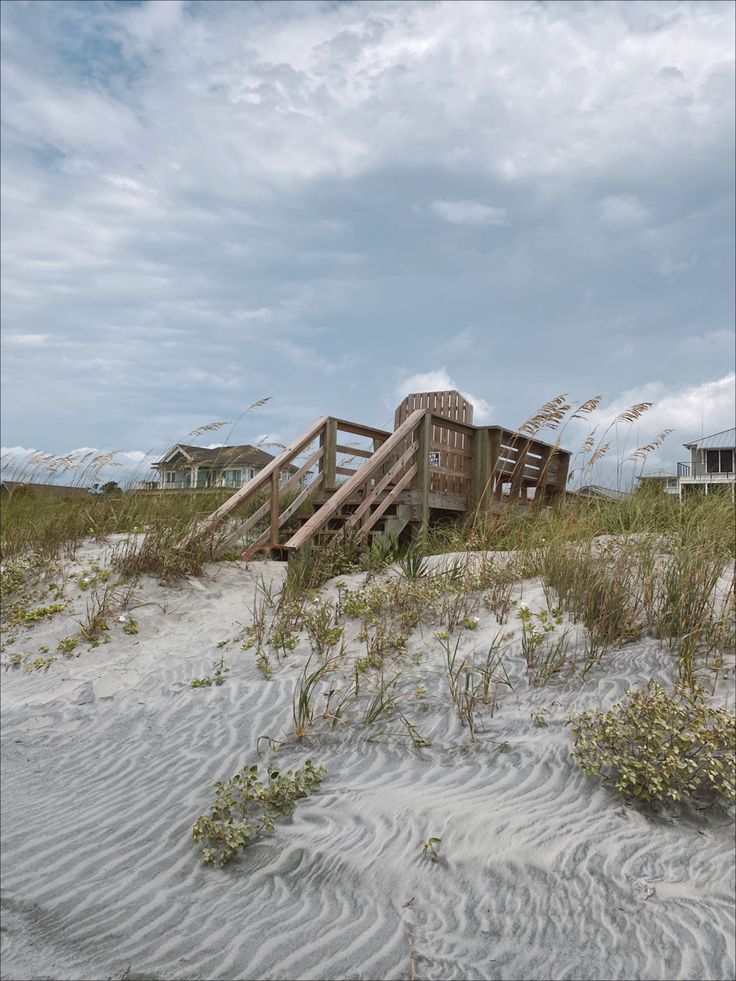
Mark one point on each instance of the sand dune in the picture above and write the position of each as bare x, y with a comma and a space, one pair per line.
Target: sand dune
108, 759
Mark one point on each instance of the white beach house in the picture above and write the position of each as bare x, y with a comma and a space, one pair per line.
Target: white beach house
185, 467
711, 468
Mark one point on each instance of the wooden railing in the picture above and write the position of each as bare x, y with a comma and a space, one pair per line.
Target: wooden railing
518, 462
443, 462
309, 464
380, 481
451, 461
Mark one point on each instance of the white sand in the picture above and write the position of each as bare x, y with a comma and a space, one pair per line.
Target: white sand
108, 759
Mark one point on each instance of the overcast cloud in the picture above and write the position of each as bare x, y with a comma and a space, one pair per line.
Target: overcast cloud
206, 204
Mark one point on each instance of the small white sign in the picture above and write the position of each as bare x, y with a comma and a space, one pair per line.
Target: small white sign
434, 459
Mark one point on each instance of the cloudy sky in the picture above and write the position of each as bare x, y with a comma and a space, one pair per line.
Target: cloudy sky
332, 204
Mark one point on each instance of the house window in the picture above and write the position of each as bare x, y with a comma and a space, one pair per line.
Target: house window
171, 476
233, 478
719, 461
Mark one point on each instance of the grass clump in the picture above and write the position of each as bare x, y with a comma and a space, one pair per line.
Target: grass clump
27, 618
657, 745
430, 848
220, 669
247, 807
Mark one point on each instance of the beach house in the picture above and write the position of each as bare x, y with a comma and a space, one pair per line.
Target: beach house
710, 469
186, 467
711, 466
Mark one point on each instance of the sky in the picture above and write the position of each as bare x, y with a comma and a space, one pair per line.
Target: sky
334, 204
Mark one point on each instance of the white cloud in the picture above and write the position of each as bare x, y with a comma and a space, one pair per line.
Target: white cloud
26, 340
260, 315
621, 211
472, 213
440, 381
711, 341
225, 187
669, 267
689, 410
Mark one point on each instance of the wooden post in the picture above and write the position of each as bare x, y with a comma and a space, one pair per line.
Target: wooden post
275, 507
328, 440
563, 466
480, 470
424, 443
540, 491
494, 452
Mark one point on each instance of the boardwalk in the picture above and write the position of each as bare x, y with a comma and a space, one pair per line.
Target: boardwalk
368, 482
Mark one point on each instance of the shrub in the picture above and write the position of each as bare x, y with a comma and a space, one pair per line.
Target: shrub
245, 807
658, 745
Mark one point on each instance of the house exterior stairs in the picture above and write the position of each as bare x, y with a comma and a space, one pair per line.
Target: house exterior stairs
434, 462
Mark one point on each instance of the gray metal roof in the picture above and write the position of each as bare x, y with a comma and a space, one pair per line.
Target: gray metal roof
725, 440
596, 490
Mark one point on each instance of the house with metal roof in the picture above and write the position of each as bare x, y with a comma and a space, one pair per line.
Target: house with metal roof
711, 467
668, 483
188, 467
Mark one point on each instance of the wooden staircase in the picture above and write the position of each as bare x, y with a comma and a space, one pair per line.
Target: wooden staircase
434, 462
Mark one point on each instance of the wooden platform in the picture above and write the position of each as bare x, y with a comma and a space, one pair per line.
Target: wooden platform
365, 482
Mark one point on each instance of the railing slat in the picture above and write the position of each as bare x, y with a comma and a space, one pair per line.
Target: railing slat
381, 486
388, 500
343, 493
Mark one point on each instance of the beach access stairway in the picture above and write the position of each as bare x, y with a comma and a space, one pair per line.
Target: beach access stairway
341, 477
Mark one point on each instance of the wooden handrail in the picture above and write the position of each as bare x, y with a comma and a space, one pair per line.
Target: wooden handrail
357, 429
369, 469
263, 477
453, 425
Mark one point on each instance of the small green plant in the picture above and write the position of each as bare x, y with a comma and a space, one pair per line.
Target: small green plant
130, 625
657, 745
246, 807
414, 565
101, 605
41, 664
324, 634
27, 618
67, 645
303, 699
539, 717
15, 660
493, 672
545, 655
218, 678
430, 848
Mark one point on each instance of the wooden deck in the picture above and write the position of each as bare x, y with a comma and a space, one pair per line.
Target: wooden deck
366, 482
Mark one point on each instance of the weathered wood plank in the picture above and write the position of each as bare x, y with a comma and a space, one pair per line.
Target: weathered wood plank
275, 507
328, 442
388, 501
354, 450
357, 429
262, 479
266, 537
381, 486
246, 526
343, 493
424, 437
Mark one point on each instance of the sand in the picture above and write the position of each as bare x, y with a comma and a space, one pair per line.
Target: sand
108, 759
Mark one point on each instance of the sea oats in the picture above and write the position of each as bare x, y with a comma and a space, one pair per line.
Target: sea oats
643, 451
634, 412
587, 407
208, 428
